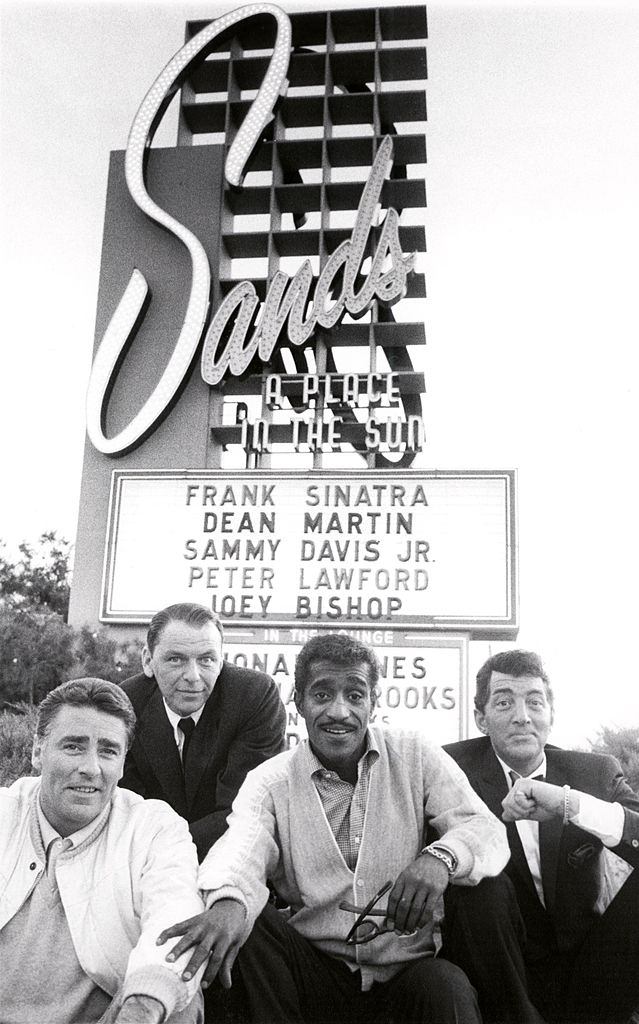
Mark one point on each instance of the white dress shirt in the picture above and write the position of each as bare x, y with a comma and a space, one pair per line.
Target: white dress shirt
174, 719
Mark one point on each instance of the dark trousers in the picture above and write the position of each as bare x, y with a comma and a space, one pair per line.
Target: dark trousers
520, 974
285, 979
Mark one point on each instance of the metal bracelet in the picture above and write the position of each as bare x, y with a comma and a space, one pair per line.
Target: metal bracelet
566, 798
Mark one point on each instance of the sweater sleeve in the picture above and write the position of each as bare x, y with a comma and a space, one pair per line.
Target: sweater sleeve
463, 823
164, 883
239, 864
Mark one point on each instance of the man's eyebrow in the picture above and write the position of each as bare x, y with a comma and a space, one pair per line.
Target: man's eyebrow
180, 650
510, 691
70, 738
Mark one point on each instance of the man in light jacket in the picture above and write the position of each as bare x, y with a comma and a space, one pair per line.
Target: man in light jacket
327, 824
89, 875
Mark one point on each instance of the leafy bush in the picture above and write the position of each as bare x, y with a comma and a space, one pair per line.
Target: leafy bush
36, 653
99, 655
17, 727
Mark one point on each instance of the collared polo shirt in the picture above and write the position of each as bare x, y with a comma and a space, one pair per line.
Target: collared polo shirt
345, 804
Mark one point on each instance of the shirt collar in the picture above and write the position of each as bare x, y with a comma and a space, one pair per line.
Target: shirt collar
539, 770
174, 719
371, 753
48, 832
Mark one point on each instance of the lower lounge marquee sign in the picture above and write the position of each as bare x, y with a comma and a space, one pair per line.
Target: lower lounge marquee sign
434, 549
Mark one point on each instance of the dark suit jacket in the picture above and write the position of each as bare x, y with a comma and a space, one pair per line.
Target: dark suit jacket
242, 724
571, 859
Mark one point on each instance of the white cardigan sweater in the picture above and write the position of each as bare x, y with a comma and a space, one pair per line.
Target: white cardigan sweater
278, 831
118, 891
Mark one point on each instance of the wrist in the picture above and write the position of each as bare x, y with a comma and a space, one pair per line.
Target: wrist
448, 859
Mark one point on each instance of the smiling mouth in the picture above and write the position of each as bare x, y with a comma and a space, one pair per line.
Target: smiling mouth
337, 730
84, 789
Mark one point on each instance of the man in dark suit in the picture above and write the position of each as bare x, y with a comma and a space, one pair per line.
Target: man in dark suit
202, 723
534, 941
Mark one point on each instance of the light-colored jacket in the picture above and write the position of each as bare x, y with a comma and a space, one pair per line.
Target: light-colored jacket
278, 831
118, 893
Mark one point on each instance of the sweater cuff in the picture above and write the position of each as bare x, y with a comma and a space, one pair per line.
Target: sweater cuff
156, 981
225, 892
463, 857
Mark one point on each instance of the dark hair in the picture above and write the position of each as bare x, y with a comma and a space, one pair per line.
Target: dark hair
512, 663
192, 614
87, 693
339, 649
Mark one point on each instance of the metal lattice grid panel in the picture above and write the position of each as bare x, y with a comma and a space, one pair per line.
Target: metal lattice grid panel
355, 77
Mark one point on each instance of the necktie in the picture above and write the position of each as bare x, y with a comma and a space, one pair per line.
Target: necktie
514, 776
187, 726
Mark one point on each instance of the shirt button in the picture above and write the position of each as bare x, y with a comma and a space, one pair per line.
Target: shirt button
359, 883
635, 843
358, 839
32, 866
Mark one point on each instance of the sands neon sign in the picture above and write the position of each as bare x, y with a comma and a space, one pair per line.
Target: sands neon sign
288, 303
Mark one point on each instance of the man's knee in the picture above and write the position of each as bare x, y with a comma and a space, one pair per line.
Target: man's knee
435, 988
491, 898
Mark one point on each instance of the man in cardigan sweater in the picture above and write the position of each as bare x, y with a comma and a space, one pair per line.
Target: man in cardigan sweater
89, 874
534, 940
327, 824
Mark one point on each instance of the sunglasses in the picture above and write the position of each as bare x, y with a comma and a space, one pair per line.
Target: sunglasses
365, 930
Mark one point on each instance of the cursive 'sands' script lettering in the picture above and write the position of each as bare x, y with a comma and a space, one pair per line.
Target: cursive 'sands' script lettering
287, 299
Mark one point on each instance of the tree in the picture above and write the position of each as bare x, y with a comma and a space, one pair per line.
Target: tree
38, 649
622, 743
40, 578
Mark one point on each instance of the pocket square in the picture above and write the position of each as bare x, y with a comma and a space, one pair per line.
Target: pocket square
581, 855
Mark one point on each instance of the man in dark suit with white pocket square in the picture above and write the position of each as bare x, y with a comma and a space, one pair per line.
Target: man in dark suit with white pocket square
537, 941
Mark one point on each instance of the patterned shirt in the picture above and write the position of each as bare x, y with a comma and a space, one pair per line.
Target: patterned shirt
343, 803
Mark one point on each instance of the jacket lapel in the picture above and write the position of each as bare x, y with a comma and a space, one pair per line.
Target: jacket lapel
493, 790
156, 738
493, 782
550, 833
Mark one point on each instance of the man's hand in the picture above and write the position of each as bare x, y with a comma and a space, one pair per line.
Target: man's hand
537, 801
415, 895
216, 932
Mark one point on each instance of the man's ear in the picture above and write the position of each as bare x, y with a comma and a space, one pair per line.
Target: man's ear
375, 695
36, 753
297, 697
480, 721
147, 667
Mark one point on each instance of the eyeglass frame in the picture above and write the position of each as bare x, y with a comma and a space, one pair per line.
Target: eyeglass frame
367, 912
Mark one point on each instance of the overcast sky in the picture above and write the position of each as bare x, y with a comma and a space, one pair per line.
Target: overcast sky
533, 216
